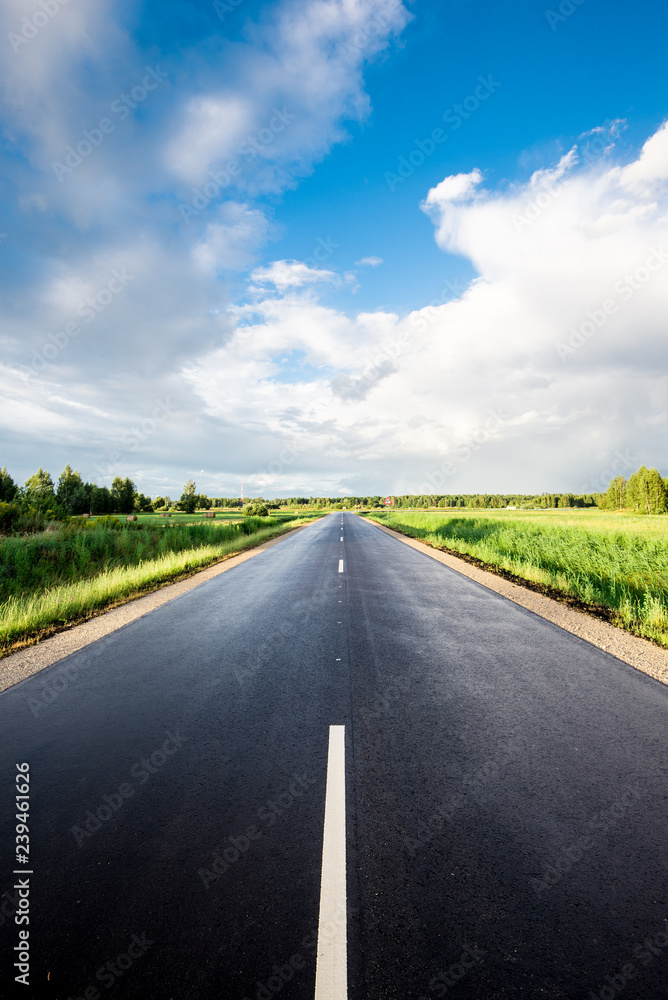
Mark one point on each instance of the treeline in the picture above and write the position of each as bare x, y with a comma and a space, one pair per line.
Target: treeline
417, 501
71, 495
645, 492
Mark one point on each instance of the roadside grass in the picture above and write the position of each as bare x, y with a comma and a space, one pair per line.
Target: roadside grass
71, 552
613, 565
79, 573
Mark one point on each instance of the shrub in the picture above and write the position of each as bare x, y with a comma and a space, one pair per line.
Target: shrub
107, 521
256, 510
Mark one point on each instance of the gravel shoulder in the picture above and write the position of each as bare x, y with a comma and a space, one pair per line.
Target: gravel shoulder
638, 653
15, 667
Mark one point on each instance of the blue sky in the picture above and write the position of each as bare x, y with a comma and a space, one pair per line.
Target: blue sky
352, 306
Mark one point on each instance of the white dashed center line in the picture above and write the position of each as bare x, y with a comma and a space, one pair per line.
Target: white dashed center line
340, 565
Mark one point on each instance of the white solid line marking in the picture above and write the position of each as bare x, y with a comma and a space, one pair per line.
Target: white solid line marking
340, 565
331, 973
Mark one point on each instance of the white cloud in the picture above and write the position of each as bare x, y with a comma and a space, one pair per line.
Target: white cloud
443, 200
611, 129
650, 170
459, 187
284, 274
301, 79
369, 262
232, 242
214, 127
474, 394
544, 178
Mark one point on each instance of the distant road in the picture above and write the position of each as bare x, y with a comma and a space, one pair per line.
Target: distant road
505, 787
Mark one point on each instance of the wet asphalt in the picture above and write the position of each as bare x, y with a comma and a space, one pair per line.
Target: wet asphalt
506, 788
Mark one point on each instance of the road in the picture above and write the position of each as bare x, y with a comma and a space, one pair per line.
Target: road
505, 790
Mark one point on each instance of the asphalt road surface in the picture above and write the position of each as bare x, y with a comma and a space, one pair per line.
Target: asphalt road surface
505, 790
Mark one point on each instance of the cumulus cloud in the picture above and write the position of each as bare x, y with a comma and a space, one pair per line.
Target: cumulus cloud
459, 187
542, 371
442, 201
369, 262
650, 171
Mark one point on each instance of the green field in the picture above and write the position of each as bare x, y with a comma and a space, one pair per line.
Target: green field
614, 564
225, 516
177, 517
74, 570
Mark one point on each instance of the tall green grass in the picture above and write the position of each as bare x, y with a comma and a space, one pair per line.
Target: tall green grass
620, 571
67, 575
80, 550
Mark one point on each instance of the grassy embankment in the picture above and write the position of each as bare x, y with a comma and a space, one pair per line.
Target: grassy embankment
615, 565
60, 576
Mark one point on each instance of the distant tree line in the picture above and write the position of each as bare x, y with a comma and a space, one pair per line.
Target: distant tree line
417, 501
645, 492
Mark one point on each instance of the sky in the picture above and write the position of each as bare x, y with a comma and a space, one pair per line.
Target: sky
334, 247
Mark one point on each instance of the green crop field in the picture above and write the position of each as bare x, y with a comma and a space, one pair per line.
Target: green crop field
616, 564
74, 570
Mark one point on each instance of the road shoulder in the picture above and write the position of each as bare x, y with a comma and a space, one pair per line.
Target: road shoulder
638, 653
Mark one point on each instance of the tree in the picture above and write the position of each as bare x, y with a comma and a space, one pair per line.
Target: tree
658, 495
101, 501
188, 501
123, 495
71, 492
646, 491
615, 498
39, 490
142, 503
8, 488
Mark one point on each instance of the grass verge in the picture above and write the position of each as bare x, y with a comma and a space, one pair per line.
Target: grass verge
28, 618
618, 575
